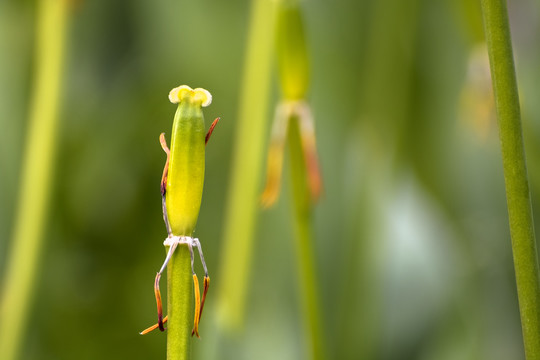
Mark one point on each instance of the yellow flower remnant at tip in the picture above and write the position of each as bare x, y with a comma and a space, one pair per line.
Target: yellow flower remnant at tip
184, 92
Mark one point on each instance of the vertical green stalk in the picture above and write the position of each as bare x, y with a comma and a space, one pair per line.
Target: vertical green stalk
302, 204
503, 75
37, 171
243, 198
293, 65
179, 305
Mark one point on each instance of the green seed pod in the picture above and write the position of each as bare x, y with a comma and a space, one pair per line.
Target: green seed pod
181, 191
185, 178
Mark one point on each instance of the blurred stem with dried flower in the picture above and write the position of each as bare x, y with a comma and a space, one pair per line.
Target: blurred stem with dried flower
293, 124
497, 30
36, 178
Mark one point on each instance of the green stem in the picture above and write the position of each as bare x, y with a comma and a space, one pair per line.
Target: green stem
179, 304
243, 198
37, 172
302, 204
497, 31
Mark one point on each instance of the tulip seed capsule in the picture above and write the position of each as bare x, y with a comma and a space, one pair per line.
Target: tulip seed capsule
181, 188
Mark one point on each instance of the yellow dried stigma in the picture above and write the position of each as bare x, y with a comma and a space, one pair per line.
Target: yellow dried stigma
185, 93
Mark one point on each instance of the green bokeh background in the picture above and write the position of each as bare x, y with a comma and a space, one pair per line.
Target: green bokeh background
412, 243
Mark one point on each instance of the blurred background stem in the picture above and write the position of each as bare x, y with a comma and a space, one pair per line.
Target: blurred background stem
179, 305
524, 250
302, 205
294, 72
243, 197
36, 177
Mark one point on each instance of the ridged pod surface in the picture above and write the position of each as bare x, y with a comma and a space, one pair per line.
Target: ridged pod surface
185, 178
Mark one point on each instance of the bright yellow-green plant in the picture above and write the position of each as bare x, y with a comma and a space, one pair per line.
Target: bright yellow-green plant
181, 190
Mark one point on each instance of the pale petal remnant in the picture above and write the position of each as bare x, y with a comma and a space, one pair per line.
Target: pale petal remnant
183, 92
203, 95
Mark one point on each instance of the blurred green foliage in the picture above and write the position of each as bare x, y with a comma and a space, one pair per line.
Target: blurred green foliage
412, 241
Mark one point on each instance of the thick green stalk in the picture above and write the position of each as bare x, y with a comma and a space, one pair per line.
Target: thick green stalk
37, 172
302, 204
179, 305
243, 198
497, 31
